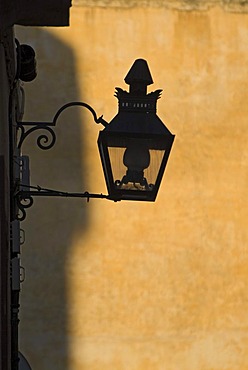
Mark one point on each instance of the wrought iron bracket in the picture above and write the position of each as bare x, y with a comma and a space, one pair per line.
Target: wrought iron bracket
47, 139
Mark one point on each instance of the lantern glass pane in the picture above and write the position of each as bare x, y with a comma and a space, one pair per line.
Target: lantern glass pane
156, 160
135, 169
116, 161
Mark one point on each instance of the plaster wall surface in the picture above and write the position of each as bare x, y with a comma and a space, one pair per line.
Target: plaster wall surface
140, 286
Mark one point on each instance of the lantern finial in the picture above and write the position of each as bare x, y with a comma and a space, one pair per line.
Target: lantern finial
139, 77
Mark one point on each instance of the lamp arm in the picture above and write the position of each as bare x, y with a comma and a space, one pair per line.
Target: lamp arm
44, 141
24, 198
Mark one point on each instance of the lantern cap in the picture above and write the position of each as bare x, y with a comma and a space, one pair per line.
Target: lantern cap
139, 72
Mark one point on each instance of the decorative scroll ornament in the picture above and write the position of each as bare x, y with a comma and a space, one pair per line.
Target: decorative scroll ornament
22, 204
44, 141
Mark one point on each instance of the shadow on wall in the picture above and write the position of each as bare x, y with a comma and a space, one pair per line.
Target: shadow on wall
51, 223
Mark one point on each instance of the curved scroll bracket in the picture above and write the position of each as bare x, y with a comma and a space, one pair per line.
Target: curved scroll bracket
22, 204
47, 138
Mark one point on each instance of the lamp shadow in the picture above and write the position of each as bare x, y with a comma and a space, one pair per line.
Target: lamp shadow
52, 222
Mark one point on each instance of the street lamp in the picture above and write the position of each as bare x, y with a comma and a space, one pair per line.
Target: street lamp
134, 147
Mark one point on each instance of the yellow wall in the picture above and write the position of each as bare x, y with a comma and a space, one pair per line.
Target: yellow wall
140, 286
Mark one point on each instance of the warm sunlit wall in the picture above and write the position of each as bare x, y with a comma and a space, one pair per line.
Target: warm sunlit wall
130, 286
